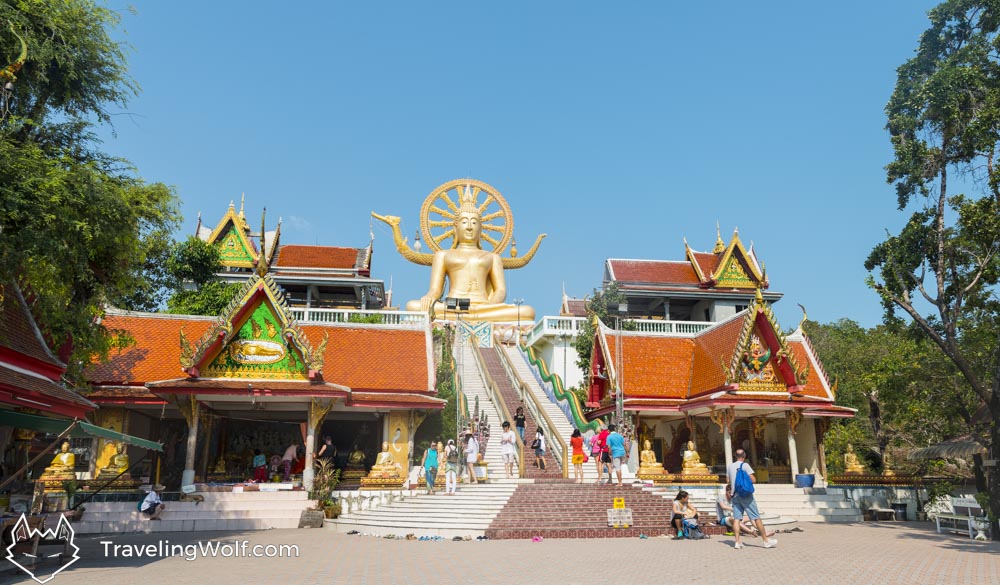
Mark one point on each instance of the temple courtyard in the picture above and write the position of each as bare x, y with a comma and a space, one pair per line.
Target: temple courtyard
869, 553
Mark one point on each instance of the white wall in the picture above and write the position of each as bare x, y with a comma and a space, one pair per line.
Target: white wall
553, 350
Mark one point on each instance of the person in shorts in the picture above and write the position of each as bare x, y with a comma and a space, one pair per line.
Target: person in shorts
724, 513
508, 448
745, 504
616, 443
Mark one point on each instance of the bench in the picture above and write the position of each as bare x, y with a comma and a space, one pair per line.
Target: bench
878, 507
967, 511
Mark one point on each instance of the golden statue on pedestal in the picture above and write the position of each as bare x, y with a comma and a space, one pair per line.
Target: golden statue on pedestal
472, 272
384, 462
118, 464
386, 473
647, 460
62, 465
692, 462
851, 464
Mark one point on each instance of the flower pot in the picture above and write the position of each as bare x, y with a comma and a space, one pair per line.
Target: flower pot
805, 480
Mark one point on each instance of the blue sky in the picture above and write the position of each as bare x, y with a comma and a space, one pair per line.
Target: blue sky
617, 129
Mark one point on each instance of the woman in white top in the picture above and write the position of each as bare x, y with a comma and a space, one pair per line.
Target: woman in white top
508, 449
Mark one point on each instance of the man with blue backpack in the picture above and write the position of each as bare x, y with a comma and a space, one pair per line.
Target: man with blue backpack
740, 475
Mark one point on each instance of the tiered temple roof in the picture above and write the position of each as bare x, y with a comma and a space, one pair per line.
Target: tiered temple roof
30, 374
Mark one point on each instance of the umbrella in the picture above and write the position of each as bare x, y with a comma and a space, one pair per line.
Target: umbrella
958, 447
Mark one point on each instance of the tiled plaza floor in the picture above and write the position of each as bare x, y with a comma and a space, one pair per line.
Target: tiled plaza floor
911, 554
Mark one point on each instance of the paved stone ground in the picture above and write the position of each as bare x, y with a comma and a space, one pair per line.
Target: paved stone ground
871, 553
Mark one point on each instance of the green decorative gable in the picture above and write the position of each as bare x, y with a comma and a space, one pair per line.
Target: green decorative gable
234, 249
258, 350
733, 275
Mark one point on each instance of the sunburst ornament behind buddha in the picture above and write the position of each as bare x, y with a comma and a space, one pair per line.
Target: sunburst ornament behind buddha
454, 209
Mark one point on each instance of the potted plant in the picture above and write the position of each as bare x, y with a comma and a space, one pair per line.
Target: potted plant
71, 487
324, 481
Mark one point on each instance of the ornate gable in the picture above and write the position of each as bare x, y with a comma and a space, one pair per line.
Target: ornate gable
232, 237
255, 338
763, 361
736, 267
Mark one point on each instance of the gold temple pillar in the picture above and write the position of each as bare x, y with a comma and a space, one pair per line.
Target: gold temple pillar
794, 417
318, 409
821, 426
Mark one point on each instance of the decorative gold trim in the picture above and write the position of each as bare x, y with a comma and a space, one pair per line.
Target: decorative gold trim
736, 244
794, 417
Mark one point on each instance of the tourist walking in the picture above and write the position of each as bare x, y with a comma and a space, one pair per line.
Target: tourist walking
539, 446
508, 450
291, 455
616, 444
599, 453
471, 456
741, 477
451, 468
683, 510
519, 422
576, 442
430, 465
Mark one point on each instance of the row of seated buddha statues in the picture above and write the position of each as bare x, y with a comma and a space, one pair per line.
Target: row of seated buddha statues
114, 476
692, 469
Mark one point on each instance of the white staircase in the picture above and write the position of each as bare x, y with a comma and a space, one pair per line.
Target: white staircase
474, 387
219, 511
788, 500
703, 499
468, 513
563, 425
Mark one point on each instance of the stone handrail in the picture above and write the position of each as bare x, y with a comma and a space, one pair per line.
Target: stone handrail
491, 388
404, 318
553, 387
541, 417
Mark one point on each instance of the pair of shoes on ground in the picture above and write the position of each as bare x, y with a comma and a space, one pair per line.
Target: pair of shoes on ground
769, 543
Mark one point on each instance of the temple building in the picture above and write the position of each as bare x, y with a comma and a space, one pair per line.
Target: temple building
705, 287
312, 277
298, 355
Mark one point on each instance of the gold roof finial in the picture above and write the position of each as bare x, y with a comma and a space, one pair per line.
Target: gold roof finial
261, 260
758, 297
720, 246
243, 199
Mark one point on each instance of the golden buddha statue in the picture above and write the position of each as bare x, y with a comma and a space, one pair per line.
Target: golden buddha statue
647, 460
61, 469
117, 465
356, 456
692, 462
851, 464
886, 469
220, 466
472, 272
384, 461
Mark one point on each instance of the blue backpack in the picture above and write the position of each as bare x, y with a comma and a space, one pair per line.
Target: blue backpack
742, 484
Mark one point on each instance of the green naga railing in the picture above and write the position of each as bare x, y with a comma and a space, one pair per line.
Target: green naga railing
560, 392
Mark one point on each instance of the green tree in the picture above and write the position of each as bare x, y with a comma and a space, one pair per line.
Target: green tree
192, 269
944, 121
597, 306
78, 228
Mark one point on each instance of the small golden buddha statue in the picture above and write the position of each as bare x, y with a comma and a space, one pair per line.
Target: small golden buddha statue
851, 464
886, 469
692, 462
117, 465
220, 465
384, 463
62, 465
647, 460
356, 457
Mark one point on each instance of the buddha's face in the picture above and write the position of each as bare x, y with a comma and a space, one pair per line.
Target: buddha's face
385, 446
65, 447
468, 228
691, 445
645, 444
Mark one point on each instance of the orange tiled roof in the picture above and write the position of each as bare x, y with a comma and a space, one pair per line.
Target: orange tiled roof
707, 262
654, 366
575, 308
814, 385
713, 350
156, 353
298, 256
362, 358
656, 271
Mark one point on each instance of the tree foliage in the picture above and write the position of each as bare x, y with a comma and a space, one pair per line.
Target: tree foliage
597, 306
78, 228
942, 268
